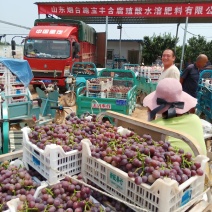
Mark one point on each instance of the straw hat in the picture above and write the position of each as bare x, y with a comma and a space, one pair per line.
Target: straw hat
169, 95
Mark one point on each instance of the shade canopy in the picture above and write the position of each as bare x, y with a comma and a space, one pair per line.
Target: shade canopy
131, 12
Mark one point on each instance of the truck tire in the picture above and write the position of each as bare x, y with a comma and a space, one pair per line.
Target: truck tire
35, 86
70, 99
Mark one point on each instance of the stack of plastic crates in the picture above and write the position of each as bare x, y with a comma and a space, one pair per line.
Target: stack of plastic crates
97, 88
3, 75
204, 94
13, 87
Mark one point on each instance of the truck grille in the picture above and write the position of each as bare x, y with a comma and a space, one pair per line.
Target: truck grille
46, 74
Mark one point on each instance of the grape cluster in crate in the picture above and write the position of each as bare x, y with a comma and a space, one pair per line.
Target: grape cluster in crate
110, 204
131, 160
66, 196
119, 92
15, 182
144, 159
12, 85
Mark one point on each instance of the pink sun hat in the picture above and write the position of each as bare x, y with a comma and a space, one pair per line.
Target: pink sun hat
170, 90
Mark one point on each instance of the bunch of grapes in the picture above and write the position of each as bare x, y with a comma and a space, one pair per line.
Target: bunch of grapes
36, 176
98, 80
120, 89
68, 135
111, 205
14, 182
144, 159
66, 196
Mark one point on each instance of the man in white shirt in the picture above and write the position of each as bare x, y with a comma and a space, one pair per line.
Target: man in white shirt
170, 70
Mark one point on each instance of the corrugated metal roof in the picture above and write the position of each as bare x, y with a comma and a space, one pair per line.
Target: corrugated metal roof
133, 20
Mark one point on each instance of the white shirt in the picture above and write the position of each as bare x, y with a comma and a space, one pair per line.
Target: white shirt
171, 72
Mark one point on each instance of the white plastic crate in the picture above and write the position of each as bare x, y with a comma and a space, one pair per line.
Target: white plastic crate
3, 77
16, 90
104, 85
52, 162
117, 95
13, 79
96, 94
164, 195
11, 100
4, 68
16, 137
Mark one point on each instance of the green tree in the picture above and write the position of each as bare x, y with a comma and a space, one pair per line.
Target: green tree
198, 45
155, 45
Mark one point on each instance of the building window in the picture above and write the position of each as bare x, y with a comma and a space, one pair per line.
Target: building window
110, 54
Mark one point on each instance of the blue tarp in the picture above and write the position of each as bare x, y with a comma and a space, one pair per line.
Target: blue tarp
20, 68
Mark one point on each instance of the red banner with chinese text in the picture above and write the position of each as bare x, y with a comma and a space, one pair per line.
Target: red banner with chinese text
128, 10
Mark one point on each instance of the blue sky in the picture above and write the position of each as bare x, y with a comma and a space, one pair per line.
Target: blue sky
24, 12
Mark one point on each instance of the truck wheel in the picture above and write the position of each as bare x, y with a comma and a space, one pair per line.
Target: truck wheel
142, 96
70, 99
35, 86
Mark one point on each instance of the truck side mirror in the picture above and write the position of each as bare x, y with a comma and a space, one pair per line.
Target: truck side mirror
76, 49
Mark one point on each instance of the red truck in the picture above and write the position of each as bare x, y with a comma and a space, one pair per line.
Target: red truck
53, 45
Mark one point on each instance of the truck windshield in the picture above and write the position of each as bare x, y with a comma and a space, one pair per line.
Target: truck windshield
47, 48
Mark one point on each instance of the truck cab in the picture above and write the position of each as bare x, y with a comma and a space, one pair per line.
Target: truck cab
53, 45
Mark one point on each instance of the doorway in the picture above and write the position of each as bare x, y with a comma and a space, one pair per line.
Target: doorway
133, 56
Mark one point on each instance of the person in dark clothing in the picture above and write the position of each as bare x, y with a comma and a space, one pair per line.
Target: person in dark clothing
208, 66
190, 76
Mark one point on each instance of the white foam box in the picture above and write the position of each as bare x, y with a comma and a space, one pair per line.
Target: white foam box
52, 162
164, 195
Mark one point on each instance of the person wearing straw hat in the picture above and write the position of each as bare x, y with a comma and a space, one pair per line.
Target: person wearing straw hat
174, 104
